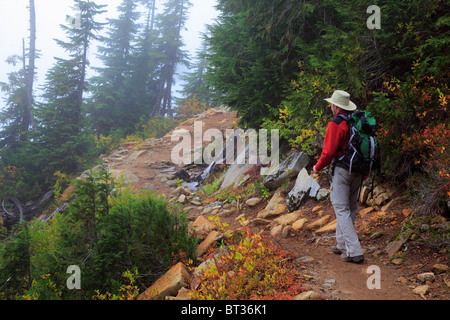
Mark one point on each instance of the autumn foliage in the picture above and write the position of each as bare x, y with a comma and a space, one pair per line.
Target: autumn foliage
249, 267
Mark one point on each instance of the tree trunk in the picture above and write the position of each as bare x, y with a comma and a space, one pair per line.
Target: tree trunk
153, 15
29, 71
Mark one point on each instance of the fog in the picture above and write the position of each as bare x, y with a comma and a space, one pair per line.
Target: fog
14, 22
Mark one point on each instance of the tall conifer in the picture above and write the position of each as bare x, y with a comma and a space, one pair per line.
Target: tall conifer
170, 24
63, 137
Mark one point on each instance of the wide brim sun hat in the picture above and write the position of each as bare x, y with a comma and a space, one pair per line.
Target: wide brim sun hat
342, 100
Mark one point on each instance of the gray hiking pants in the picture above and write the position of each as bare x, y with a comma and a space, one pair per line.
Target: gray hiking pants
344, 197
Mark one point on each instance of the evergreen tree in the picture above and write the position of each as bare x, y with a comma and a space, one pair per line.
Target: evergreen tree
15, 264
14, 117
195, 83
63, 138
145, 63
170, 24
17, 119
250, 61
112, 106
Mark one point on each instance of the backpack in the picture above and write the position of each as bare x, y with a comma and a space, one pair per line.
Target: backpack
363, 152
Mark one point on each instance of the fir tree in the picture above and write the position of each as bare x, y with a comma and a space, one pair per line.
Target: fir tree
63, 139
170, 24
195, 83
111, 106
17, 119
145, 62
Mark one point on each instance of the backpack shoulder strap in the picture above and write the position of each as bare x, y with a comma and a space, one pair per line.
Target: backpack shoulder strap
342, 117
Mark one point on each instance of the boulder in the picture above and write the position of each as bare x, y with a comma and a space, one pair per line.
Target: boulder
364, 195
395, 245
236, 172
203, 226
136, 154
182, 199
287, 218
307, 295
183, 294
211, 207
426, 277
300, 191
381, 199
393, 203
253, 202
128, 177
299, 224
322, 194
319, 222
261, 222
276, 206
227, 213
440, 268
286, 231
365, 211
288, 169
331, 227
316, 209
422, 290
181, 190
378, 190
204, 246
168, 285
315, 187
276, 230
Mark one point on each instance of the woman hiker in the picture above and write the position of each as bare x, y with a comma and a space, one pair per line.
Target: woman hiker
344, 186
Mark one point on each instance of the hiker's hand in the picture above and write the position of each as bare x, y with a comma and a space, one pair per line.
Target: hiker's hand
315, 171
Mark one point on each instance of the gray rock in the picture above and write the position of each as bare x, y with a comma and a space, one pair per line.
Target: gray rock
322, 194
315, 187
211, 207
288, 169
235, 173
300, 191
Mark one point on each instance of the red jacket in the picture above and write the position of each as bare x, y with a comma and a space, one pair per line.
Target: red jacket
336, 140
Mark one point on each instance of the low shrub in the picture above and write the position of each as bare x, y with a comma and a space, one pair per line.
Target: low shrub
250, 267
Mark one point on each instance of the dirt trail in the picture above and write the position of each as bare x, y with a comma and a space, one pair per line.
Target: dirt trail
335, 279
149, 167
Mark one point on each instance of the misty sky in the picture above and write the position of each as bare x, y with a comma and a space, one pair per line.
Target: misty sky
14, 25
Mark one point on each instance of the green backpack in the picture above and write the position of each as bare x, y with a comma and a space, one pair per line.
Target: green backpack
363, 152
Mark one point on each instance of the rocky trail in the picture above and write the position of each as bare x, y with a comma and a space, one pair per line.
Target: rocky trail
408, 269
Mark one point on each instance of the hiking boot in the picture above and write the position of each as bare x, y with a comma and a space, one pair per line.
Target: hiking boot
356, 259
336, 250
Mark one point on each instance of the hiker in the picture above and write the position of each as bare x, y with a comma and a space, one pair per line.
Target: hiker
344, 185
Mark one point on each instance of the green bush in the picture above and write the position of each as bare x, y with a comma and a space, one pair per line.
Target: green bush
107, 230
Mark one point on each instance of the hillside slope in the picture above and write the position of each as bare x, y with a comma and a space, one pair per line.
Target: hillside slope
402, 264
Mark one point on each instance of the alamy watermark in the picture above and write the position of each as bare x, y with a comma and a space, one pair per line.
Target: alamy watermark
74, 20
252, 148
374, 21
374, 281
74, 281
